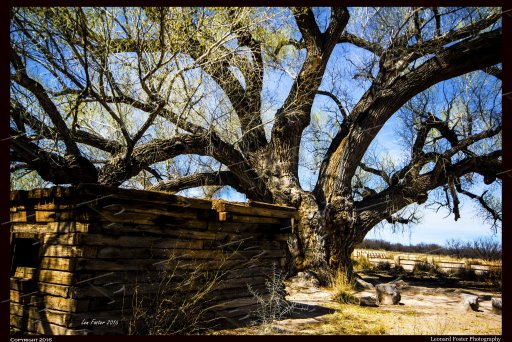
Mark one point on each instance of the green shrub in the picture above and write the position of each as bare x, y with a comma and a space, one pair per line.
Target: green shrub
424, 267
493, 278
383, 266
398, 269
362, 263
464, 273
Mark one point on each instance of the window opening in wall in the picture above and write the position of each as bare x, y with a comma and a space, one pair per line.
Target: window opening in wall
25, 253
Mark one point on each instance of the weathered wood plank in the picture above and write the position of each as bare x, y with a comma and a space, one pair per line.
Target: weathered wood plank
69, 251
110, 252
253, 219
246, 210
139, 241
159, 210
175, 231
72, 239
146, 196
237, 227
241, 283
52, 227
57, 264
24, 272
47, 301
247, 244
50, 216
149, 265
127, 212
159, 220
51, 238
64, 319
51, 289
22, 195
127, 276
270, 206
223, 216
185, 254
56, 277
236, 303
31, 312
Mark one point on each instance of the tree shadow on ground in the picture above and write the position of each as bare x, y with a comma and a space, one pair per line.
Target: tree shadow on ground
301, 311
309, 311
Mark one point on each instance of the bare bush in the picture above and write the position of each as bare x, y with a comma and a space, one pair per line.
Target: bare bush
485, 248
273, 305
493, 278
466, 274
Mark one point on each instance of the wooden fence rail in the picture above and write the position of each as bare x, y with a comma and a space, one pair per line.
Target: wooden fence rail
408, 261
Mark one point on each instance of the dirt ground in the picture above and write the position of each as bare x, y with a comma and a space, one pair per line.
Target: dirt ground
427, 307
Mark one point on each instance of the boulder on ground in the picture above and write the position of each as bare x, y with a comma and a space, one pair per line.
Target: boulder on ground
368, 301
360, 283
387, 294
469, 302
496, 305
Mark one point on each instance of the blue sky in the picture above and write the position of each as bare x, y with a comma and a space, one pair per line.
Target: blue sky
435, 227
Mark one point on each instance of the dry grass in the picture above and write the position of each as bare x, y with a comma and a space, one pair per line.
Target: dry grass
453, 323
356, 320
349, 320
178, 305
343, 289
362, 263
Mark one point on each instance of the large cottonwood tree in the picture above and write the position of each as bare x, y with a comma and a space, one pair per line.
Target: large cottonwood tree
117, 95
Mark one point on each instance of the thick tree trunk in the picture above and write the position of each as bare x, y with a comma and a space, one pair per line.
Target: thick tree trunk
324, 240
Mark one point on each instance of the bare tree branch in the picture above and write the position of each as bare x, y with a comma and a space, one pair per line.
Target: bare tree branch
360, 42
308, 28
375, 208
379, 173
51, 166
336, 100
481, 200
494, 71
46, 103
375, 108
80, 136
196, 180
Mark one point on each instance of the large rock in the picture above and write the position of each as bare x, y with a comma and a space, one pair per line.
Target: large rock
360, 283
387, 294
368, 301
496, 305
469, 302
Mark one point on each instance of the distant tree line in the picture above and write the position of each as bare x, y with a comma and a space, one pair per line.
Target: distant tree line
482, 248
